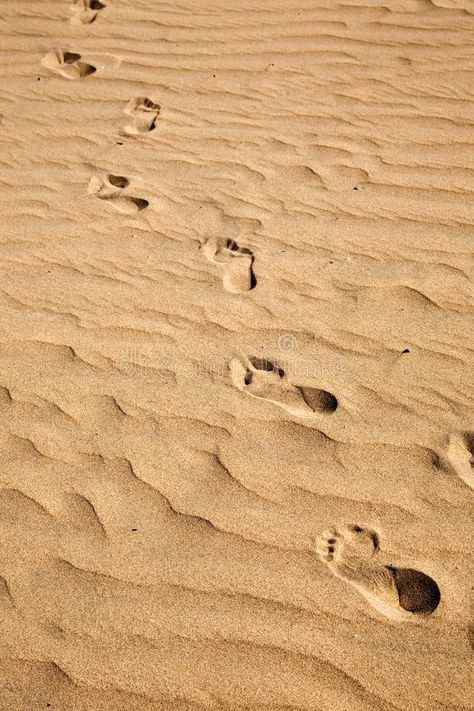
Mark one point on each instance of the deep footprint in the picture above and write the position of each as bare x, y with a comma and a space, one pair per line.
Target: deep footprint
85, 11
265, 380
235, 261
110, 188
67, 64
143, 114
461, 456
402, 594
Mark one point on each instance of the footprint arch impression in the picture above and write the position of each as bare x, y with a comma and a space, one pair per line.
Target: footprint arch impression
267, 381
235, 262
402, 594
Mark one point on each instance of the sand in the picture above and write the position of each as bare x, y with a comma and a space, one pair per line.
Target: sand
236, 363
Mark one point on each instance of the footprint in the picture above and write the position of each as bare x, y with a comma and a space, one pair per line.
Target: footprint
236, 262
401, 594
85, 11
67, 64
110, 187
265, 380
461, 456
143, 113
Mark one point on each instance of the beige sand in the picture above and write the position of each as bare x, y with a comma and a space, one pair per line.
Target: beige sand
236, 412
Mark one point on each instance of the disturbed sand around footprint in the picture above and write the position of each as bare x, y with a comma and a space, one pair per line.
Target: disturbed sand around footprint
236, 355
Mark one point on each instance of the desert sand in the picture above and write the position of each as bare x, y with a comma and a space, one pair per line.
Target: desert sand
236, 362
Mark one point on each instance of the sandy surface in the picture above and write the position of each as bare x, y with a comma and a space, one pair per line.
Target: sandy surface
236, 413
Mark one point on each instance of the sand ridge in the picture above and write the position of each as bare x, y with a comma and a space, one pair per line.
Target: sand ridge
236, 400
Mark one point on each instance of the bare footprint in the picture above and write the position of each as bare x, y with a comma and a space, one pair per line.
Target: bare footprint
461, 456
67, 64
85, 11
143, 113
235, 261
402, 594
110, 187
267, 381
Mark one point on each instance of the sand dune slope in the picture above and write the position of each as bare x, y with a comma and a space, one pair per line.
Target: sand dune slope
236, 358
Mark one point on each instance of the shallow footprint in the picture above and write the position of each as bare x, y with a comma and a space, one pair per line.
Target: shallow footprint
267, 381
109, 187
402, 594
143, 113
236, 262
85, 11
461, 456
67, 64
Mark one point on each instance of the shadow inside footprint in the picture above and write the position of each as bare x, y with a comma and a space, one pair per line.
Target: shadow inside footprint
261, 364
70, 57
118, 181
319, 400
140, 203
86, 69
418, 593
